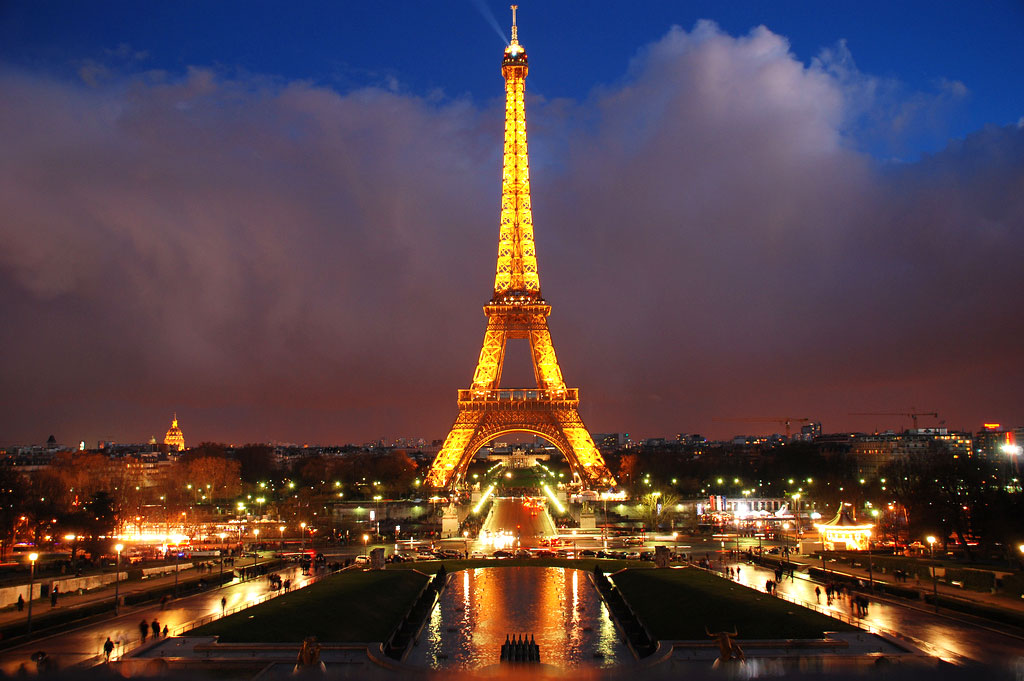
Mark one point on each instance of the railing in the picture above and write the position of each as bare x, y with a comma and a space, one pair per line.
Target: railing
519, 395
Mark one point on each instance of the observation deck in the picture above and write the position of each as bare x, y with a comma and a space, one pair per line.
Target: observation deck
519, 399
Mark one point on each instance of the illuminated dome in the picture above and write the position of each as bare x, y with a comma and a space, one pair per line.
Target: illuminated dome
174, 439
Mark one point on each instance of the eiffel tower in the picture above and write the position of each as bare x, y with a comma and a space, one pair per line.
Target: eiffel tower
517, 310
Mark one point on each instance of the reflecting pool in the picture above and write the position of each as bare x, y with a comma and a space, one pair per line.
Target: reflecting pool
559, 606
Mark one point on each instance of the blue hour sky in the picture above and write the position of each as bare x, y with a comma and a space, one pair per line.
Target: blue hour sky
448, 47
279, 220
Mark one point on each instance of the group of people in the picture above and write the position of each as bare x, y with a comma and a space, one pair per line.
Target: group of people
858, 602
145, 627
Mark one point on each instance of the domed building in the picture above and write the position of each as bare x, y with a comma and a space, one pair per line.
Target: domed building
174, 439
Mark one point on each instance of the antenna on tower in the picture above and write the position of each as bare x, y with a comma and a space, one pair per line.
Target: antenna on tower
515, 30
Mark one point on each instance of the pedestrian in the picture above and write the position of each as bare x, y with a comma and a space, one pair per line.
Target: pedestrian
21, 602
156, 628
144, 630
165, 631
108, 647
817, 594
737, 573
53, 596
223, 604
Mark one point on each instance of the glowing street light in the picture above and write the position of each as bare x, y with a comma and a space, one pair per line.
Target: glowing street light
366, 538
935, 584
255, 550
117, 577
302, 526
32, 557
281, 530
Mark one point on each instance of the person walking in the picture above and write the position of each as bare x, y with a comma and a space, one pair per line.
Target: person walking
817, 594
144, 630
21, 603
53, 596
165, 631
108, 647
155, 626
223, 605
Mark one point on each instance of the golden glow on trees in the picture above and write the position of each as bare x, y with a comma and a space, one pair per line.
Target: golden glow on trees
517, 310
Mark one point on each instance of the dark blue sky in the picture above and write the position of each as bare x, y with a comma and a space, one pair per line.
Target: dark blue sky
449, 47
279, 220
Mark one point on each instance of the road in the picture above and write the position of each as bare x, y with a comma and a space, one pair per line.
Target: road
945, 637
527, 520
76, 646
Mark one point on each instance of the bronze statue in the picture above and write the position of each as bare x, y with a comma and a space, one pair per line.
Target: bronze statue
309, 658
728, 649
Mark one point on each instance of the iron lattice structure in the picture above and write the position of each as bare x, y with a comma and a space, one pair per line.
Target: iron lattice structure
517, 310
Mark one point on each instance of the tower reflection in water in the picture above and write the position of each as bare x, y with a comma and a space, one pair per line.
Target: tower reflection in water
480, 607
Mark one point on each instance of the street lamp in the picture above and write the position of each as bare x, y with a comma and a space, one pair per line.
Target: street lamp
302, 526
281, 530
222, 535
366, 538
465, 540
32, 557
935, 584
255, 550
117, 578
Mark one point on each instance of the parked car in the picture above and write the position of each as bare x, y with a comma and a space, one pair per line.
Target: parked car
588, 553
477, 554
501, 553
362, 560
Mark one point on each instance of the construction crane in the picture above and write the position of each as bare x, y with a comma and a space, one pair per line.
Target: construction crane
785, 420
912, 414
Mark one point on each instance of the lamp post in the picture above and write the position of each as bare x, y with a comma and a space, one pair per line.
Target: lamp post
465, 541
302, 527
32, 557
935, 583
366, 538
281, 530
220, 585
255, 550
117, 578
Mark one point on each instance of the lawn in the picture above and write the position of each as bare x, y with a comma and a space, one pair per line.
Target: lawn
347, 607
677, 604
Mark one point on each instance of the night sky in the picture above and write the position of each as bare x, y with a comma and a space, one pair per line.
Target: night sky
280, 220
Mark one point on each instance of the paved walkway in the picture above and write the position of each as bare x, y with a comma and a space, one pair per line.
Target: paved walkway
952, 638
70, 601
925, 586
84, 645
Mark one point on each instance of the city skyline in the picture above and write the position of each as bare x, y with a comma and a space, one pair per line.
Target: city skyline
732, 222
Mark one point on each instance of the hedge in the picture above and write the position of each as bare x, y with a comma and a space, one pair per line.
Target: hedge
973, 608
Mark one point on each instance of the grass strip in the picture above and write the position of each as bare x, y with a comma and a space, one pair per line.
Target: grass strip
678, 604
347, 607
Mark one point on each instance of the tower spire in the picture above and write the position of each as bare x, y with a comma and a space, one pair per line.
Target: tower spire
515, 29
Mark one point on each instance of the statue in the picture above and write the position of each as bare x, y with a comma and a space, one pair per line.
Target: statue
728, 649
309, 658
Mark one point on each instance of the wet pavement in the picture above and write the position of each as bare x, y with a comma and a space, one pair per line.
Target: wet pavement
946, 637
79, 645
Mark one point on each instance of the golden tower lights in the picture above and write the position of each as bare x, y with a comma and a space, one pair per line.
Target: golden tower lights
517, 310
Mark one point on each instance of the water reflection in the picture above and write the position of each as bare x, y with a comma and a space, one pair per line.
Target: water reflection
558, 606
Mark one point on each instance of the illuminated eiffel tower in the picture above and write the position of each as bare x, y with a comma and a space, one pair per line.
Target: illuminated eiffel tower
517, 310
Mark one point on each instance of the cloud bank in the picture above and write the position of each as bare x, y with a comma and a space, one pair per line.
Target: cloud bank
280, 261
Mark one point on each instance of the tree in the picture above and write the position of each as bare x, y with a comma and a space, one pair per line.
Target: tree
657, 508
13, 495
219, 477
